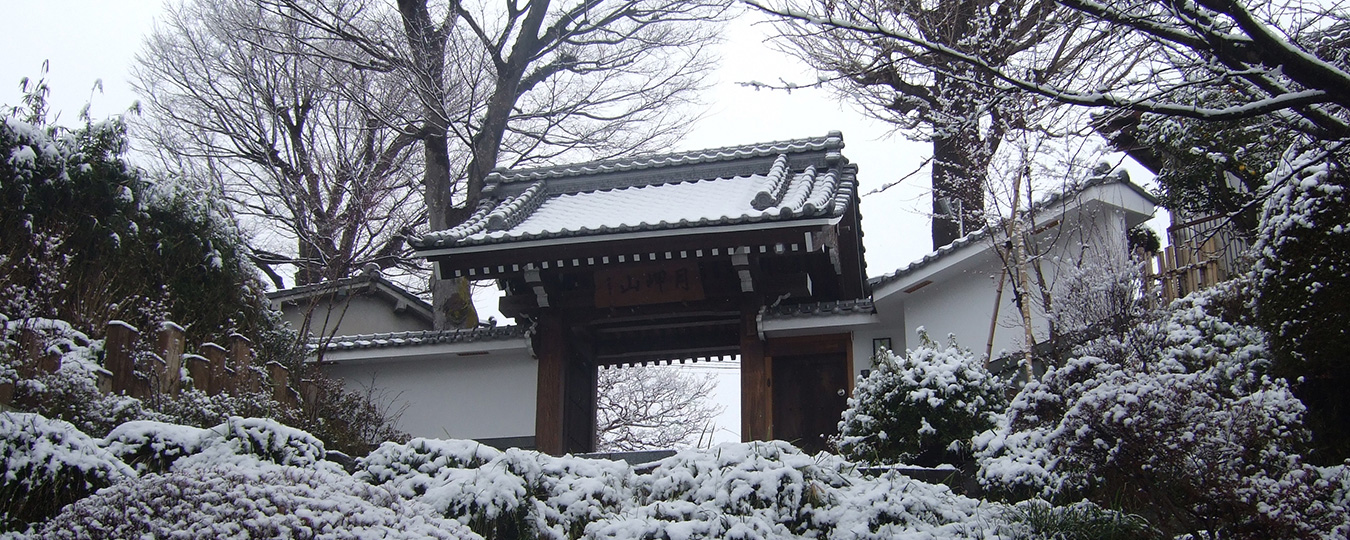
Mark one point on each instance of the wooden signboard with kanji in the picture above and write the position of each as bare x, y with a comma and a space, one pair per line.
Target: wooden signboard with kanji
648, 284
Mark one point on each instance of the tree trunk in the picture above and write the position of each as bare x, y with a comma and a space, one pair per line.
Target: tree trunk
960, 159
450, 301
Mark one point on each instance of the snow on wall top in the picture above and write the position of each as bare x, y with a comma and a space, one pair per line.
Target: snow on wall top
775, 181
861, 306
414, 338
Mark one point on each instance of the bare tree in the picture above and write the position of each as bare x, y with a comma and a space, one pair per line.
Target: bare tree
300, 147
521, 81
1284, 60
935, 97
641, 408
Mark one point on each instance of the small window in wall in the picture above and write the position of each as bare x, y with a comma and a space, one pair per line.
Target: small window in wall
881, 343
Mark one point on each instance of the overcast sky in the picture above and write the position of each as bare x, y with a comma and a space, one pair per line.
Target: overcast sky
87, 41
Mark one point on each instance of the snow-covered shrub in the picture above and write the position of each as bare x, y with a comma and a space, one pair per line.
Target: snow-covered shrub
1097, 295
771, 490
411, 468
1303, 274
578, 492
348, 420
260, 438
1036, 519
1177, 421
743, 478
46, 464
194, 407
478, 485
919, 407
259, 500
511, 494
152, 447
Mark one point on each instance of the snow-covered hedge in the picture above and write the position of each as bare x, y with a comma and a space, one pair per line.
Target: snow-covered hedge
256, 479
260, 500
46, 464
1303, 274
259, 438
501, 494
753, 490
772, 490
1178, 421
918, 407
153, 446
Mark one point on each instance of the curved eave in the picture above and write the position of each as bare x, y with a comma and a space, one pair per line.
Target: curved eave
642, 234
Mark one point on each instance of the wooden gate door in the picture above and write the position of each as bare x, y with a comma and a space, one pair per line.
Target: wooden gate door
810, 389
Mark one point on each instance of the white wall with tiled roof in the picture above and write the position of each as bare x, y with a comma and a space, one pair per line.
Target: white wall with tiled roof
483, 394
955, 290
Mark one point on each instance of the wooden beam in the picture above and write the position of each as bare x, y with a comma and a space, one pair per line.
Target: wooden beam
795, 285
800, 345
499, 262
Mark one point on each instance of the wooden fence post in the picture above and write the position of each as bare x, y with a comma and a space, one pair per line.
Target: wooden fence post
281, 377
241, 355
104, 381
120, 359
169, 344
35, 358
215, 356
309, 392
199, 368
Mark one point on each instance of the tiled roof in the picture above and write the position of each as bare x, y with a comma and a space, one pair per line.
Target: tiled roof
776, 181
1055, 198
833, 141
862, 306
411, 339
366, 279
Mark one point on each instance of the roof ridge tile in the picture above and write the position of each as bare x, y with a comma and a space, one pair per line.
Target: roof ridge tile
831, 141
776, 187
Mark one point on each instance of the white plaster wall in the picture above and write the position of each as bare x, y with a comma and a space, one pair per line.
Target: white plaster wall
962, 305
352, 315
961, 299
462, 397
890, 325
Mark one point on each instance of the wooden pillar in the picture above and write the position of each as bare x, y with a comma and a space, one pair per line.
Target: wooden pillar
580, 397
120, 359
169, 345
756, 404
550, 346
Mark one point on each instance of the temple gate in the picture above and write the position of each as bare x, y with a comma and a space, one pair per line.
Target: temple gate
674, 257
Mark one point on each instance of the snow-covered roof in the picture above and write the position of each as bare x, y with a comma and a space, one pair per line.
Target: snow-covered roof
370, 281
817, 317
410, 339
820, 309
1053, 201
759, 183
